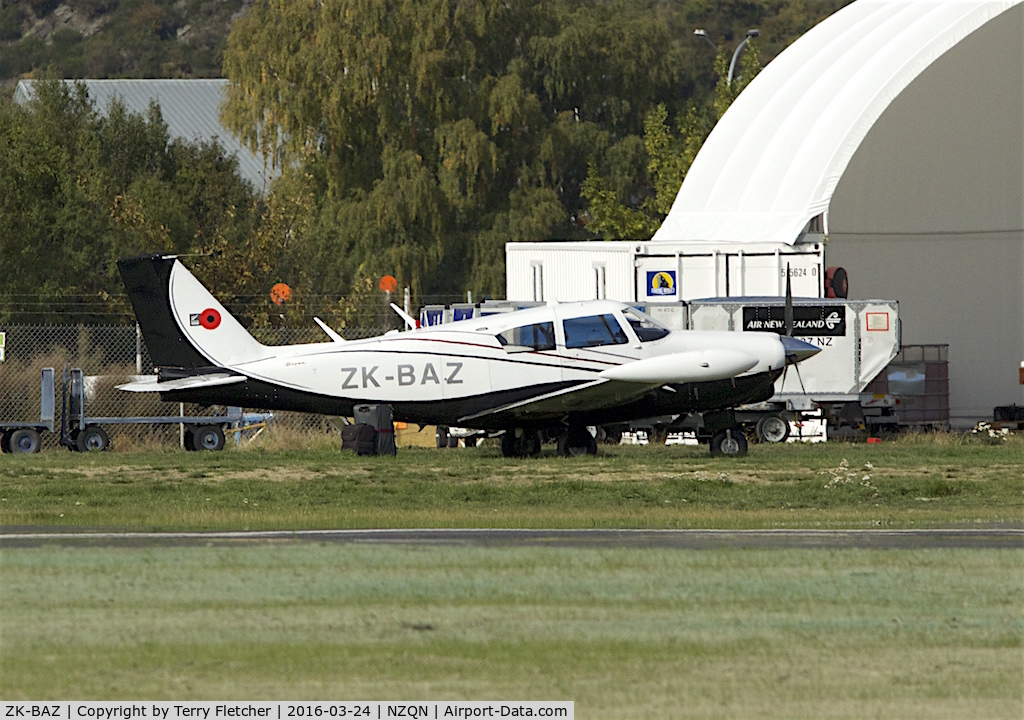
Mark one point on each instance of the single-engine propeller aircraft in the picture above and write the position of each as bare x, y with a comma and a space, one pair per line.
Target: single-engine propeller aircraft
562, 367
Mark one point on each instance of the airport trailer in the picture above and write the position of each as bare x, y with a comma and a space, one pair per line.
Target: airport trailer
26, 437
82, 432
858, 339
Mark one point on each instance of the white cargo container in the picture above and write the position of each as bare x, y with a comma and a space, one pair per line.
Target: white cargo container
858, 339
661, 272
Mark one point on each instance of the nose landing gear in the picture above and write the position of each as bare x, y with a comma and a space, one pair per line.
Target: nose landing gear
575, 441
519, 442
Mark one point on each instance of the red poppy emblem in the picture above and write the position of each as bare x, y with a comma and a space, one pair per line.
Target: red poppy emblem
209, 318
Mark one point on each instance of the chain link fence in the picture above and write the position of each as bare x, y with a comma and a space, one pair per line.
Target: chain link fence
111, 355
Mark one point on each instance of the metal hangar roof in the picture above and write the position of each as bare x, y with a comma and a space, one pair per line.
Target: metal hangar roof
189, 107
773, 161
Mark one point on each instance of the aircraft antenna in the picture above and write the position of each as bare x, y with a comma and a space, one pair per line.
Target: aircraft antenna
410, 321
335, 337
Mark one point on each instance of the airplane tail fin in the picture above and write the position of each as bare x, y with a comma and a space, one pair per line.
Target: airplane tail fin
183, 324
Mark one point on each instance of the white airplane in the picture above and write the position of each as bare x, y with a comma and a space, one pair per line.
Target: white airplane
563, 367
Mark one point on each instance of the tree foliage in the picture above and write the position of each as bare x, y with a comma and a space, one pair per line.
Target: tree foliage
617, 212
434, 121
416, 139
443, 129
82, 190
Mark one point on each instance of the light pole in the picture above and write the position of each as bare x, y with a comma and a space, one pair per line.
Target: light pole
702, 33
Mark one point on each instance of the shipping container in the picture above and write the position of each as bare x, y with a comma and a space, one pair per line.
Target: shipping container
858, 338
662, 272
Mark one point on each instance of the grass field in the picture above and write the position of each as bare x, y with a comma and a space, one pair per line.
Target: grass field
624, 633
909, 483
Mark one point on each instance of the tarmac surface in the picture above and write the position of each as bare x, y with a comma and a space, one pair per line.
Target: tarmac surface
988, 537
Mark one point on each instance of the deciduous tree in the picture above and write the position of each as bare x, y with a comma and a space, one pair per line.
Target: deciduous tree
435, 123
82, 189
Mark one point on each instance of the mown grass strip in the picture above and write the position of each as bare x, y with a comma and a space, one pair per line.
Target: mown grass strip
623, 632
899, 484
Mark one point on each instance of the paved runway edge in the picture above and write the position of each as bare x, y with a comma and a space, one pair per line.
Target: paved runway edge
989, 537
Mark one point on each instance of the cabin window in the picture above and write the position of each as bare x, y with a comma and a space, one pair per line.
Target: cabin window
593, 331
539, 336
646, 328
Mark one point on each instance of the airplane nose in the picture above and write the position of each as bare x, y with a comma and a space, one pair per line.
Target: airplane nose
797, 350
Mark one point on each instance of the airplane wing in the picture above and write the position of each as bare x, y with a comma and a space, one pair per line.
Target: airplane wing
150, 383
594, 395
625, 383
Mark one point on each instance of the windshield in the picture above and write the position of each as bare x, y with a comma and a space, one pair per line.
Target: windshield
645, 327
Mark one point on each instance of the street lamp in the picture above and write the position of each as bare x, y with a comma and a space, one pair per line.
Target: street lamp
702, 33
732, 65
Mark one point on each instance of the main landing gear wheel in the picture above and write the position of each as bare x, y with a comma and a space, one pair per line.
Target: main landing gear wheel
772, 429
446, 440
730, 441
92, 438
517, 442
577, 441
24, 440
208, 437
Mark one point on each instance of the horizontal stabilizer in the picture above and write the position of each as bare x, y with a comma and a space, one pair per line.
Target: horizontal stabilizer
192, 382
685, 367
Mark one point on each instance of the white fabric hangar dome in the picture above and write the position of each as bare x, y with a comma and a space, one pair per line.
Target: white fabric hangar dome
775, 158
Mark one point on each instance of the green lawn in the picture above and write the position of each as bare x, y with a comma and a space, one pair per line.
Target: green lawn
623, 633
912, 483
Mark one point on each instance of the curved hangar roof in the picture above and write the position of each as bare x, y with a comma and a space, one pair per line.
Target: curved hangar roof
774, 159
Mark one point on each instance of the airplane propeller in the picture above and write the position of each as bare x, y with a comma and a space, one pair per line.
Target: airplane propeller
789, 304
796, 350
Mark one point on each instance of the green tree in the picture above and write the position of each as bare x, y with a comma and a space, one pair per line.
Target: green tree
432, 121
83, 189
618, 212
